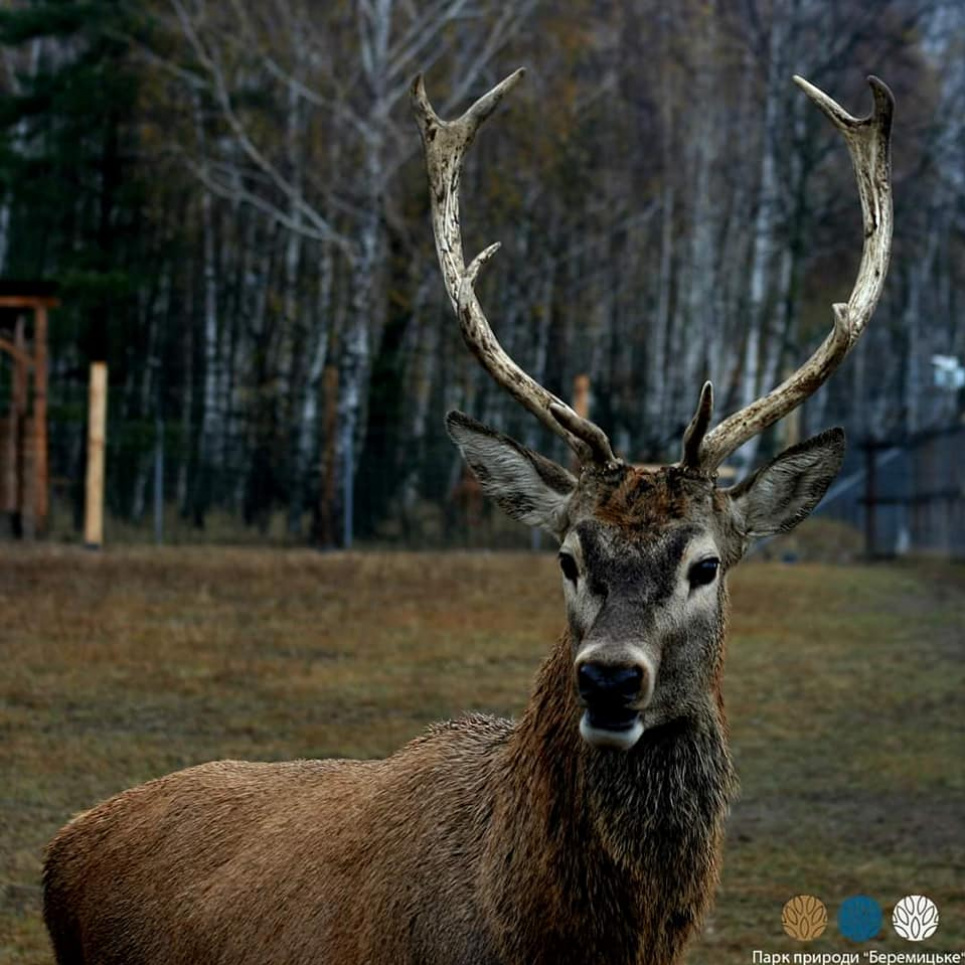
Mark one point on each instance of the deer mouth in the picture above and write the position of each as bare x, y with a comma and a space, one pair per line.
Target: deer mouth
619, 727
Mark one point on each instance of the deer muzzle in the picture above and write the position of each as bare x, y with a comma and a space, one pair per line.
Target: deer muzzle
613, 695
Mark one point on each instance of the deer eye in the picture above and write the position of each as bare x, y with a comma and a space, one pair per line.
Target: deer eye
568, 566
703, 572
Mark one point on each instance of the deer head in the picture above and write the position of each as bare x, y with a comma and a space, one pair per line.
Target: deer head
644, 553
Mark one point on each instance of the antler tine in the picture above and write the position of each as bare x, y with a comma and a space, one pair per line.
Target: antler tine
446, 143
694, 436
868, 141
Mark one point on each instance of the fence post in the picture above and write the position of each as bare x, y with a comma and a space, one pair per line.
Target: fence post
94, 490
581, 405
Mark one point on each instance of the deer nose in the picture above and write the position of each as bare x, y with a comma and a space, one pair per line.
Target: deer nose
615, 686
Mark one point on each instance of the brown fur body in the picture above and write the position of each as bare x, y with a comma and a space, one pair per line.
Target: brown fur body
484, 842
481, 842
589, 831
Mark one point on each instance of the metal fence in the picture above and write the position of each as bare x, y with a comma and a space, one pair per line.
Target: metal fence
907, 496
153, 484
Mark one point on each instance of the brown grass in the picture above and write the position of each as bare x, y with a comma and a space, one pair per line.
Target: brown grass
844, 691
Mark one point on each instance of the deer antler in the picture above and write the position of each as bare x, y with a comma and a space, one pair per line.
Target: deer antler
868, 140
446, 143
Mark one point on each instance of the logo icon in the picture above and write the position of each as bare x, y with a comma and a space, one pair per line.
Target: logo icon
860, 918
915, 918
804, 918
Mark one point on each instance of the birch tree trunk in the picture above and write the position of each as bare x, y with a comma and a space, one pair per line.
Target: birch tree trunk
185, 460
704, 138
293, 380
354, 367
307, 427
765, 227
918, 347
425, 335
655, 417
212, 427
156, 313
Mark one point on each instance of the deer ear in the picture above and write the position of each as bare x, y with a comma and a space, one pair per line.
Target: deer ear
784, 492
526, 485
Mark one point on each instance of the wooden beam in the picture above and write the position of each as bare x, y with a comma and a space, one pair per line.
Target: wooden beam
19, 354
11, 500
28, 301
96, 437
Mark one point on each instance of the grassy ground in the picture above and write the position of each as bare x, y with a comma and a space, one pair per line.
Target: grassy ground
844, 688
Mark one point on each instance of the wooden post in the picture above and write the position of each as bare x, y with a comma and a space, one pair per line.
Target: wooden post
8, 484
41, 470
94, 492
13, 441
581, 405
581, 396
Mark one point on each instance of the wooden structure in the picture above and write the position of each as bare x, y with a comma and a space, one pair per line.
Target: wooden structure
96, 440
24, 473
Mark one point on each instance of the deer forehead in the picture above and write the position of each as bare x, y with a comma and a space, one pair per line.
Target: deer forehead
647, 566
642, 505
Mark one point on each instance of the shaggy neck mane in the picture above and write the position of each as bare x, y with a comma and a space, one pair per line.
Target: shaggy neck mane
603, 849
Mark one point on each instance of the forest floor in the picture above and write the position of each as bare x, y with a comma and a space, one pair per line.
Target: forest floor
844, 689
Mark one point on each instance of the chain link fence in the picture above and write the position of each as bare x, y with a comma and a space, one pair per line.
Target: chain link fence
902, 496
905, 496
157, 490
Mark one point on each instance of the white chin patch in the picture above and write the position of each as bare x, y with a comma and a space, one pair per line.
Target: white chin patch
622, 739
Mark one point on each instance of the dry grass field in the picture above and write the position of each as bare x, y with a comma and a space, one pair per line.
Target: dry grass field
844, 688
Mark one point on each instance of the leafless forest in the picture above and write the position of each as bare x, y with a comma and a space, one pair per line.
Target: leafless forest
232, 199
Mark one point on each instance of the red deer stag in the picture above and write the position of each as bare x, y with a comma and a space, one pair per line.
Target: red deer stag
588, 830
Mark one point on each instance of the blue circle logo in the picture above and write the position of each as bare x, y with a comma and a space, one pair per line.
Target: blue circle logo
860, 918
